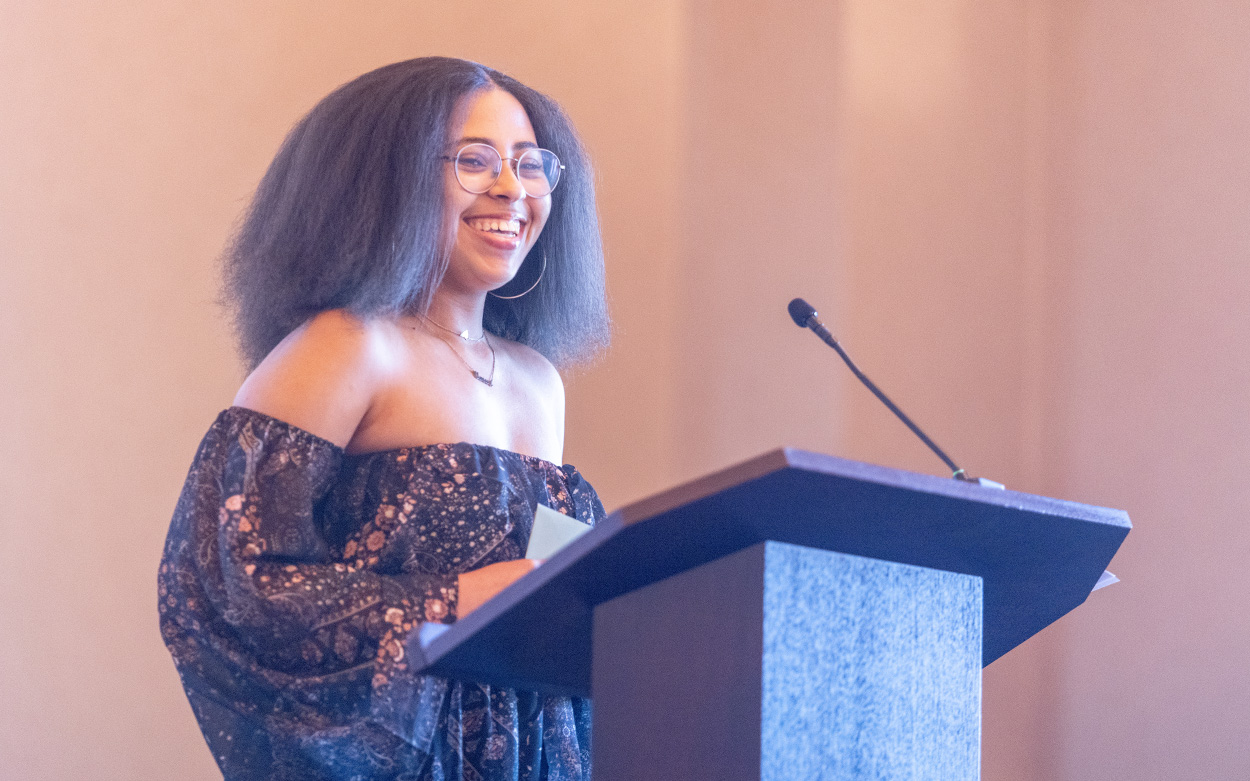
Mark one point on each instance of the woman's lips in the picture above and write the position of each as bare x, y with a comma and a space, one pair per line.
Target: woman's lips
498, 232
496, 224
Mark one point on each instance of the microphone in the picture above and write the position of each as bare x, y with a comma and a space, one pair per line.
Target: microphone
804, 316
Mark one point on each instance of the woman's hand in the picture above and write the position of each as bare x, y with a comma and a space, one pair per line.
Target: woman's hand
479, 585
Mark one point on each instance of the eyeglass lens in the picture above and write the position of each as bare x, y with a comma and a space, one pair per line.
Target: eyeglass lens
478, 167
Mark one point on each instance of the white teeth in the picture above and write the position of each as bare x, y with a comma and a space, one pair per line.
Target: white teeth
489, 225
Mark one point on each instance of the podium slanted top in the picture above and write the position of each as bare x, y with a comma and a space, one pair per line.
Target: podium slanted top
1039, 557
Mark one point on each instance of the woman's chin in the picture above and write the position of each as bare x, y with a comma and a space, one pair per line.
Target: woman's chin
500, 277
495, 281
484, 271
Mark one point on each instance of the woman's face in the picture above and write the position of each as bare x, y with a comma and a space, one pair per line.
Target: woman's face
493, 230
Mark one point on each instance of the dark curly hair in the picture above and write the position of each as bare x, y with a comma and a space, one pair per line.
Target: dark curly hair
350, 215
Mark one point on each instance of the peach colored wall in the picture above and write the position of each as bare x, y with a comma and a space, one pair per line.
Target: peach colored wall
1151, 223
1018, 215
760, 224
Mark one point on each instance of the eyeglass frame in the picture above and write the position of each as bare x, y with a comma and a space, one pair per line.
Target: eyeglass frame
515, 161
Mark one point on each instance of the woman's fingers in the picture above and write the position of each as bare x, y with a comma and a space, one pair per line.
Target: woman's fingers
479, 585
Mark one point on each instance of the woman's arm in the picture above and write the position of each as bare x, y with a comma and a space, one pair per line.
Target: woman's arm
246, 539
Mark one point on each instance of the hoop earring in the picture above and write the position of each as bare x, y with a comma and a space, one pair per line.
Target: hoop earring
531, 287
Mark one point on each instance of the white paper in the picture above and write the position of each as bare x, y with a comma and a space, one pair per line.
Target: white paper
1105, 579
552, 531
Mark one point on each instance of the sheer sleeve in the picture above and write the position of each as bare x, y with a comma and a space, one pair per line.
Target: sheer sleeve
254, 600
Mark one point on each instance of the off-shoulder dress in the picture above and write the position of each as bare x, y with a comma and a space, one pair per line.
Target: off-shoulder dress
295, 574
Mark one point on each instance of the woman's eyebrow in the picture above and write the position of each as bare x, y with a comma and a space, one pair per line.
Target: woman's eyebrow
490, 142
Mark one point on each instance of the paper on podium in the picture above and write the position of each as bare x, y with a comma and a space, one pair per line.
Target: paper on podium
552, 531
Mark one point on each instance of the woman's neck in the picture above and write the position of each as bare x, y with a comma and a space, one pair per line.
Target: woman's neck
458, 313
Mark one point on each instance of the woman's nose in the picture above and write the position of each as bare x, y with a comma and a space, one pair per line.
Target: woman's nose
508, 186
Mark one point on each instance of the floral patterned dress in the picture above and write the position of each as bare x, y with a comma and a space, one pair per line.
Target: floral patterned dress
294, 576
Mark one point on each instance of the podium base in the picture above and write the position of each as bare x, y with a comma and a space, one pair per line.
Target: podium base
786, 662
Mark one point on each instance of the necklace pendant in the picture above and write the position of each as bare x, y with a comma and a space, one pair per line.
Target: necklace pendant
483, 380
465, 335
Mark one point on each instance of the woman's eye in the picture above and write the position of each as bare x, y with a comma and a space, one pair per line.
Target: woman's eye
472, 163
531, 169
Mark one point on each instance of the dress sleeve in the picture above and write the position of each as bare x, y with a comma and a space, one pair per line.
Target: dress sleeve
250, 509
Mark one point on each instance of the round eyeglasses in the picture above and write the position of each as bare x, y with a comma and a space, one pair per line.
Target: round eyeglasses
478, 167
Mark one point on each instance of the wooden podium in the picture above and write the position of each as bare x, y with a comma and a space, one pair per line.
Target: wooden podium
796, 616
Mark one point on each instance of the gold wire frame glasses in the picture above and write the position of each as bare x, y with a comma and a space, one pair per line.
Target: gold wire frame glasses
478, 167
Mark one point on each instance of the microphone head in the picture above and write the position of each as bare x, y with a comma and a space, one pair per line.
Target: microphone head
801, 312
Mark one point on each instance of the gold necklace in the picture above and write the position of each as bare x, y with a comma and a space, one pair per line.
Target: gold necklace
487, 381
462, 334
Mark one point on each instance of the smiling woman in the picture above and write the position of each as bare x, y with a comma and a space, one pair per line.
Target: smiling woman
382, 463
497, 218
351, 214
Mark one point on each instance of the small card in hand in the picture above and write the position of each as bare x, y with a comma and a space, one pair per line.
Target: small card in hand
552, 531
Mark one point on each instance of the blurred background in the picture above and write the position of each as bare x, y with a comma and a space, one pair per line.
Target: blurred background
1028, 221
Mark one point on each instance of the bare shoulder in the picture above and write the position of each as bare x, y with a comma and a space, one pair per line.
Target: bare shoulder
324, 375
536, 372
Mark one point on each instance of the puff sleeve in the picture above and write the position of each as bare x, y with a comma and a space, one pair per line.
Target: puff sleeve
260, 612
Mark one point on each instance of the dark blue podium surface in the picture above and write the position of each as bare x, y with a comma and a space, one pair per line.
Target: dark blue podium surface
1039, 558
